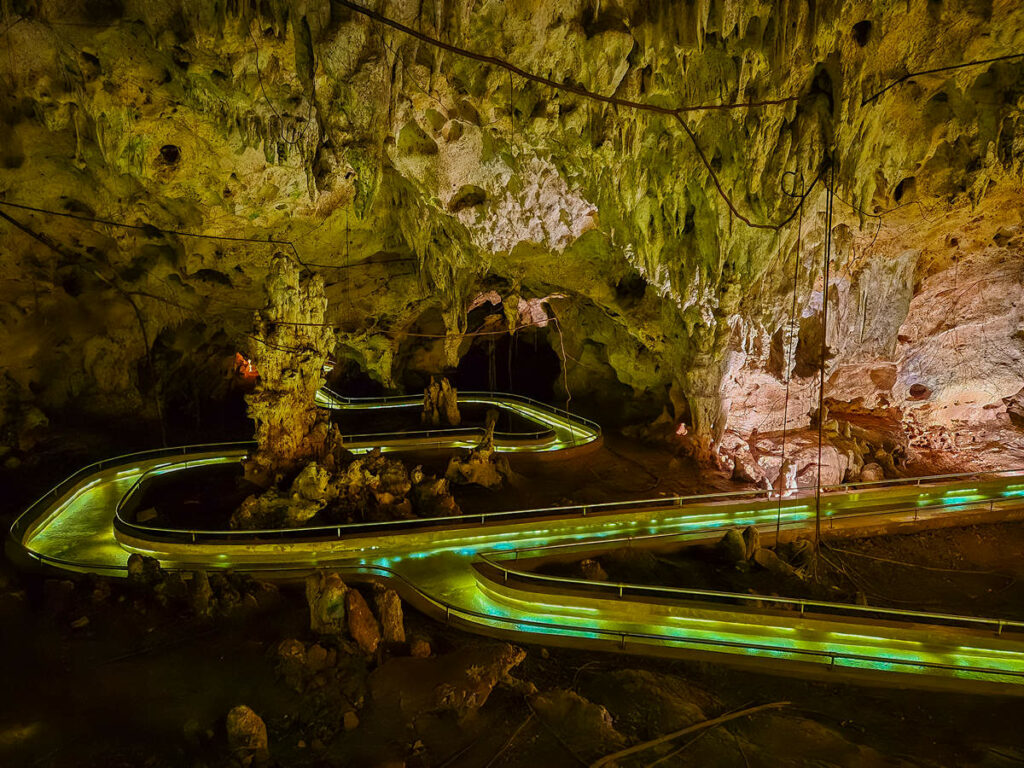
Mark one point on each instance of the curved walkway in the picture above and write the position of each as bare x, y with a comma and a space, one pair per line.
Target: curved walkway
459, 569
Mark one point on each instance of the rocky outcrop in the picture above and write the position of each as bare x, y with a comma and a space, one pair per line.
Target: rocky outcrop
440, 404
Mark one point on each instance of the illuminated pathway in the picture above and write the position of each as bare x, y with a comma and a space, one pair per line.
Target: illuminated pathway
460, 569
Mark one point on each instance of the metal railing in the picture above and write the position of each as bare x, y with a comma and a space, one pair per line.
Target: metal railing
831, 658
492, 398
497, 559
581, 510
476, 619
27, 518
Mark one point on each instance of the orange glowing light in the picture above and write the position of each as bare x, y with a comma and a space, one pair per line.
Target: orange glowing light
245, 366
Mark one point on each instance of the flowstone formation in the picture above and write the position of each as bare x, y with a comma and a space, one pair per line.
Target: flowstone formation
440, 403
291, 342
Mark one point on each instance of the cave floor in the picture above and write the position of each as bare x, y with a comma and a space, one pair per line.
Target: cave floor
138, 686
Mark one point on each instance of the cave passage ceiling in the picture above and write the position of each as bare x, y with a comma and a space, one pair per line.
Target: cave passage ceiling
424, 185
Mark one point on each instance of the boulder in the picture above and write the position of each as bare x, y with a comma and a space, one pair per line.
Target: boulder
389, 612
247, 735
872, 472
419, 647
771, 562
751, 541
361, 625
291, 663
459, 682
733, 546
585, 727
746, 469
325, 594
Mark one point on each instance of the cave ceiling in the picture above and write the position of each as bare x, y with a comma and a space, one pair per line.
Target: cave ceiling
416, 180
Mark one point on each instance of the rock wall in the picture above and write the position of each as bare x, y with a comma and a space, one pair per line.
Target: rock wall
420, 178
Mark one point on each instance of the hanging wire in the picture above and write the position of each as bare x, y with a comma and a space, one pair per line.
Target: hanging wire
790, 353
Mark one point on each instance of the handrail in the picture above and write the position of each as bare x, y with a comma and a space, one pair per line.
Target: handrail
579, 509
620, 588
31, 512
832, 658
461, 394
341, 529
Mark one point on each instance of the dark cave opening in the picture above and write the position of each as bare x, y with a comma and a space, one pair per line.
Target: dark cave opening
524, 363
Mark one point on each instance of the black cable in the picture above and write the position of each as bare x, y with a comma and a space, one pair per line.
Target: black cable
963, 65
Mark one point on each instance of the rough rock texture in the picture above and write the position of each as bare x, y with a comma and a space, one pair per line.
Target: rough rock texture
441, 403
389, 612
326, 596
481, 465
432, 178
247, 735
459, 682
290, 344
362, 626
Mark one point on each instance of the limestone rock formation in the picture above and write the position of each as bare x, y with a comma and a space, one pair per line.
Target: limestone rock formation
389, 612
326, 597
440, 404
290, 344
481, 465
247, 736
362, 626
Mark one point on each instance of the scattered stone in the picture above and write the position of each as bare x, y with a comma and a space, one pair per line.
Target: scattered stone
419, 647
389, 611
459, 682
592, 570
201, 594
585, 727
350, 720
872, 472
771, 562
291, 663
325, 594
361, 625
144, 573
751, 541
733, 546
247, 735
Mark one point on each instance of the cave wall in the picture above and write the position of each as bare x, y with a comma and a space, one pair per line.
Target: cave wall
415, 179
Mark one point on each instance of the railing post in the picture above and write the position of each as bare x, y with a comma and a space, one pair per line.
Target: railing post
622, 641
999, 628
620, 590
